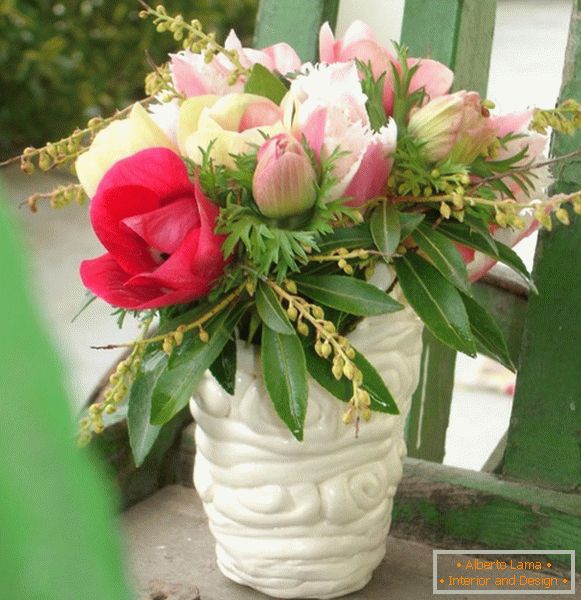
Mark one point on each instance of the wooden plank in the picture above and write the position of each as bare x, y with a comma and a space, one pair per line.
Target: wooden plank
459, 34
457, 508
296, 22
456, 32
544, 441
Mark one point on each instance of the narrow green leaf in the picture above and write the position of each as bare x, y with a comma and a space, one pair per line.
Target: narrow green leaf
270, 310
263, 82
188, 363
464, 235
408, 222
224, 367
320, 370
385, 228
142, 434
347, 237
436, 301
487, 332
347, 294
285, 377
443, 254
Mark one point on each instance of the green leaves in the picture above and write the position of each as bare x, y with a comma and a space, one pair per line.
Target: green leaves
347, 294
487, 333
436, 301
270, 310
463, 234
188, 363
263, 82
358, 236
142, 434
443, 255
385, 228
224, 367
285, 377
409, 221
381, 398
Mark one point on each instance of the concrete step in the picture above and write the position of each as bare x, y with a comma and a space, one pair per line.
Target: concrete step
171, 557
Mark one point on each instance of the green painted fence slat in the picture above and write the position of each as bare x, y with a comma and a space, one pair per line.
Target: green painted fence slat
459, 34
296, 22
544, 441
458, 508
456, 32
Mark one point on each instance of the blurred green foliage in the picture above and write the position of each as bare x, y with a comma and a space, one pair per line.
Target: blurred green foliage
63, 62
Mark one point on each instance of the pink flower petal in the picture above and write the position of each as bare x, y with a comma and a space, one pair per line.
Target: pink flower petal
326, 44
165, 228
371, 177
260, 114
511, 123
284, 58
314, 130
357, 32
186, 80
432, 75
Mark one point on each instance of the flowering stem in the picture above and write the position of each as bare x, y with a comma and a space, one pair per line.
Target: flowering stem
62, 152
182, 328
329, 341
524, 169
195, 35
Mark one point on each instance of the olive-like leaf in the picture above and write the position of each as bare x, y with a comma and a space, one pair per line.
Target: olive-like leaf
347, 294
436, 301
224, 367
385, 228
284, 371
444, 255
271, 311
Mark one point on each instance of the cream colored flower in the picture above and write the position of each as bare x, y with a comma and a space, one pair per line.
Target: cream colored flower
231, 124
119, 140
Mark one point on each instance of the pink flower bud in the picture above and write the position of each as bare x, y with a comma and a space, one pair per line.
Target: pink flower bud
284, 180
452, 126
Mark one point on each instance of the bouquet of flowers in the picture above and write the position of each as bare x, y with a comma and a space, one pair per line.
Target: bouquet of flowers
251, 197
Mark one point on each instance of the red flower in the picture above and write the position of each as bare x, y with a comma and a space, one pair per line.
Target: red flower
158, 229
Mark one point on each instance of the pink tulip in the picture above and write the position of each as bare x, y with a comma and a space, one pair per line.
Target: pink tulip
284, 180
359, 42
192, 76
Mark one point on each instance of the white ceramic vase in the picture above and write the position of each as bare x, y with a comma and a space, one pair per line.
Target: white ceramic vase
304, 519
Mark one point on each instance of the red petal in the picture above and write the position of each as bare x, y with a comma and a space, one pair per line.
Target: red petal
106, 279
108, 210
157, 169
165, 228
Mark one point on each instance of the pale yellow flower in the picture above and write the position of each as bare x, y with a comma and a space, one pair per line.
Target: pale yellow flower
119, 140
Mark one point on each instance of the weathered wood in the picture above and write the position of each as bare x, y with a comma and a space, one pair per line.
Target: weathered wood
544, 441
296, 22
459, 34
456, 32
458, 508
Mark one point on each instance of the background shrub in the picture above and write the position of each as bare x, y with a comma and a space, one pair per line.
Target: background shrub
64, 62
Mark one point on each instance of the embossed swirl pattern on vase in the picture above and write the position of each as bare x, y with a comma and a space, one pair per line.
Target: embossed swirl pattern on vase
299, 520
